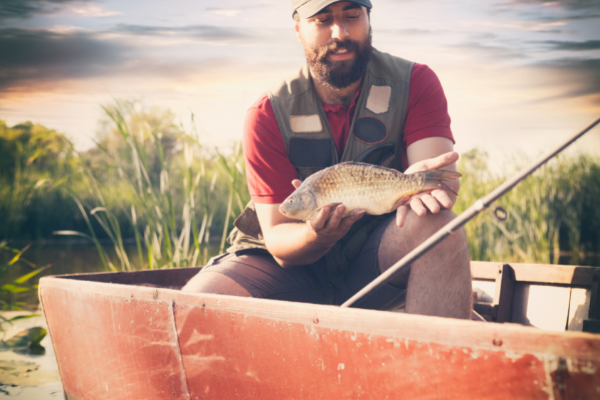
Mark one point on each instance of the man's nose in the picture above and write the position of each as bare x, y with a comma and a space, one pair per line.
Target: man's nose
339, 30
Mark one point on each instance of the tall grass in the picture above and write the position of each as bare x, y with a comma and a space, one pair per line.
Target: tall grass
551, 213
174, 189
151, 181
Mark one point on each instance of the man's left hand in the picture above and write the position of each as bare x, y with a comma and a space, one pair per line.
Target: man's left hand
433, 202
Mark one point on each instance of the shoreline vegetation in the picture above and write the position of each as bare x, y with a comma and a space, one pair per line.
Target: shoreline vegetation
150, 182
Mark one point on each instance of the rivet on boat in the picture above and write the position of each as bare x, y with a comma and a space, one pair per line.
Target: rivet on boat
497, 342
316, 320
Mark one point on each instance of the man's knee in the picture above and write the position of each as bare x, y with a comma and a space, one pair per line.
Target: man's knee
417, 229
397, 242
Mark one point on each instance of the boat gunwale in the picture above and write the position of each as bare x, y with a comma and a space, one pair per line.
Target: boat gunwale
514, 338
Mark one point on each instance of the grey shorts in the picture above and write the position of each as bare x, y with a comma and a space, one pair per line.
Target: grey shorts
258, 273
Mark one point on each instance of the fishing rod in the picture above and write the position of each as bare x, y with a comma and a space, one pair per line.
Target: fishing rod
463, 218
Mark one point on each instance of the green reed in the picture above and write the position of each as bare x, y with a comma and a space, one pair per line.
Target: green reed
547, 212
171, 193
17, 285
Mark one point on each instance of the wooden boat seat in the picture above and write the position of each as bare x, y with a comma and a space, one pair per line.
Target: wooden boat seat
550, 297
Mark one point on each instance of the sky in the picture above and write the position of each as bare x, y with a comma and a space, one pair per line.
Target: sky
519, 75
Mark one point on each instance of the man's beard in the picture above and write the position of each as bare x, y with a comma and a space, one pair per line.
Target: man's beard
339, 74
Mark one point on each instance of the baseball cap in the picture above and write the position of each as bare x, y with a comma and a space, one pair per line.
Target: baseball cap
308, 8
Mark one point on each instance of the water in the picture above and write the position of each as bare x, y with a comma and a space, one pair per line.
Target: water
63, 258
42, 382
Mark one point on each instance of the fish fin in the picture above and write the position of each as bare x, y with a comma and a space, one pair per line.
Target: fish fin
357, 211
441, 174
448, 187
434, 180
398, 203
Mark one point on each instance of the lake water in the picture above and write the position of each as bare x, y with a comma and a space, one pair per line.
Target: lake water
28, 376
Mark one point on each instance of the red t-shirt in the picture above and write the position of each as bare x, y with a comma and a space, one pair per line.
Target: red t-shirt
268, 169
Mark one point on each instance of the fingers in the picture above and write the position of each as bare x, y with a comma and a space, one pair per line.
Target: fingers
431, 203
296, 183
401, 213
443, 198
319, 221
336, 216
423, 203
417, 206
433, 163
332, 218
349, 219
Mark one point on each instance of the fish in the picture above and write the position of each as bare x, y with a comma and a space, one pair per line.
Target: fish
361, 187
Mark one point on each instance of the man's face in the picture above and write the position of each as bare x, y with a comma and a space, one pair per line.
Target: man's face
337, 43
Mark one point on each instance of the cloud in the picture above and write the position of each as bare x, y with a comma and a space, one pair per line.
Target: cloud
39, 56
242, 8
574, 46
92, 11
199, 32
46, 59
494, 52
566, 4
20, 9
581, 76
573, 10
227, 13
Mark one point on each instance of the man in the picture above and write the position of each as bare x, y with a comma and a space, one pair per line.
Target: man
350, 102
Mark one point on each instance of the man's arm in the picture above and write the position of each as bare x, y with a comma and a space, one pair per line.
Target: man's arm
423, 155
292, 242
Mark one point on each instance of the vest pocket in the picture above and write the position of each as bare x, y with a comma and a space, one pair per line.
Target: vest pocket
370, 130
310, 153
377, 155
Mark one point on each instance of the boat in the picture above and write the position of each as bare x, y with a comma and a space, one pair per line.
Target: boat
135, 335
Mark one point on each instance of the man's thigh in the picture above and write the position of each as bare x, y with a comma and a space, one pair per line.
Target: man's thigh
260, 275
364, 270
397, 242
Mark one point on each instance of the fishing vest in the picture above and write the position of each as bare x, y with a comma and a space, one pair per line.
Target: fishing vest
376, 137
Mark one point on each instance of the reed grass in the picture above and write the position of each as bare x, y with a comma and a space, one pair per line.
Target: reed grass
17, 285
151, 181
173, 194
547, 212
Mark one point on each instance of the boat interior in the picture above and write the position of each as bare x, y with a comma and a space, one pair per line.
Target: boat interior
549, 297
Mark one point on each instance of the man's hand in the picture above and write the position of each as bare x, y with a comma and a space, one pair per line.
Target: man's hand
329, 225
433, 201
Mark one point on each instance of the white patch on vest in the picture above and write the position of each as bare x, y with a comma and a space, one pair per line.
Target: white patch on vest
379, 99
306, 123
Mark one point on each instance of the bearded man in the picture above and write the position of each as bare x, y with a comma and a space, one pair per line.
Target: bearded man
349, 102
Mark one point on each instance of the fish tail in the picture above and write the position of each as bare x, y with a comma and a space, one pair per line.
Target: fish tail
434, 180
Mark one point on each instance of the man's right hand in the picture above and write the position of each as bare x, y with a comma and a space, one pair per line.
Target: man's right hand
330, 225
293, 242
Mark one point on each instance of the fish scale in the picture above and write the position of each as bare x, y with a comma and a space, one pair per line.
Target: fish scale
378, 190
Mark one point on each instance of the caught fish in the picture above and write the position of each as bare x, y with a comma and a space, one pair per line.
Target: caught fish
361, 188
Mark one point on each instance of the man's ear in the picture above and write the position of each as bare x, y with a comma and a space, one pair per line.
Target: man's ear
297, 27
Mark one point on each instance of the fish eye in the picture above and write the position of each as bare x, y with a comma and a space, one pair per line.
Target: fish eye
291, 201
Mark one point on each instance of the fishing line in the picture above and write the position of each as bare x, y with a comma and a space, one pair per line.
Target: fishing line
464, 217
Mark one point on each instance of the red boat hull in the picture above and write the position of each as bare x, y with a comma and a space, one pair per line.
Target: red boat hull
115, 341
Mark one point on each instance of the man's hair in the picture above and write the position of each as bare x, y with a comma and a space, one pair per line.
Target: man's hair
296, 16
